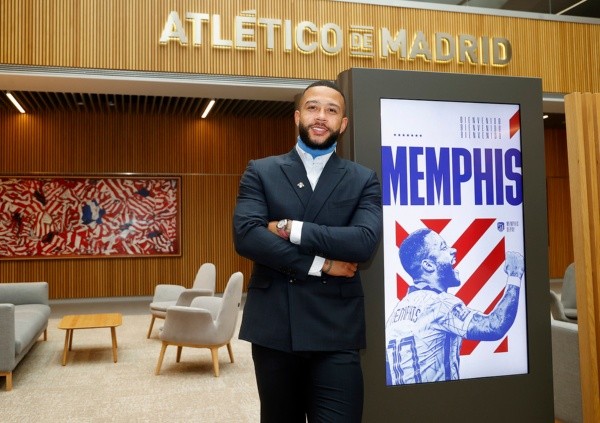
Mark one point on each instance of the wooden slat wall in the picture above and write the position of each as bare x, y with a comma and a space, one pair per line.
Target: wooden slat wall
124, 34
560, 236
583, 114
210, 155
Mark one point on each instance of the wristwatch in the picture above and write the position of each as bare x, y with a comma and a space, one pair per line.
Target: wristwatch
282, 228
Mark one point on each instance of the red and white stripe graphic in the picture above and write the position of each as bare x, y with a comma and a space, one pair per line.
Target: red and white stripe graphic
478, 277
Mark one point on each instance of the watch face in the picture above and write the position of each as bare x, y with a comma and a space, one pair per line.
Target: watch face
281, 224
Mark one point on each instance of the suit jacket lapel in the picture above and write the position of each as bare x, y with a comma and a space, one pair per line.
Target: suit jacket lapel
296, 174
331, 176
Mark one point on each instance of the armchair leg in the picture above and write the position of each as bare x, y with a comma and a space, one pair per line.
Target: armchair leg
214, 352
230, 351
150, 329
179, 348
160, 358
45, 334
8, 380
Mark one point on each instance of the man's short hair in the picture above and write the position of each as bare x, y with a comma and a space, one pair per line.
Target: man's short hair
326, 83
413, 251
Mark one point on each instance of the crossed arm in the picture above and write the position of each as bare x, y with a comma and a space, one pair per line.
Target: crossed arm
342, 247
330, 266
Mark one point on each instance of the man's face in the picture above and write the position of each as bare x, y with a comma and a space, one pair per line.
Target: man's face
320, 117
444, 259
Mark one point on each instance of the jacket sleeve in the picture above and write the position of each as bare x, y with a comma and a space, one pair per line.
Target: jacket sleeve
355, 240
251, 237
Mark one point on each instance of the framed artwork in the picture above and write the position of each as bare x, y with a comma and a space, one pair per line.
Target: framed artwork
89, 217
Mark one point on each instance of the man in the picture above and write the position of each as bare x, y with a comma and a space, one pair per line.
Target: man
425, 330
307, 219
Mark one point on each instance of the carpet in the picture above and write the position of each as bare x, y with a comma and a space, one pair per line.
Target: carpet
91, 388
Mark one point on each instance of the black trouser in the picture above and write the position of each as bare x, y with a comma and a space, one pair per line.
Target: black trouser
326, 387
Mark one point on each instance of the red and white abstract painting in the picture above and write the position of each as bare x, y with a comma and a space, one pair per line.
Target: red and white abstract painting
89, 217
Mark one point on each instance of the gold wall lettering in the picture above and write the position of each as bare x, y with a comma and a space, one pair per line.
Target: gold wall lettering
307, 37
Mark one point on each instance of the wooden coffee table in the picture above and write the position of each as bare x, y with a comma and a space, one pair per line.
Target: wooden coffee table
90, 321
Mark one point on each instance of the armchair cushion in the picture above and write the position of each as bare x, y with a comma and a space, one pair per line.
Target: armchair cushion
212, 304
166, 292
30, 320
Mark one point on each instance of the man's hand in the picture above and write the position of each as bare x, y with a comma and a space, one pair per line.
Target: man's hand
514, 264
339, 268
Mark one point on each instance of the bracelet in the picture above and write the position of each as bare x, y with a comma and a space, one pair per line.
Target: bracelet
328, 266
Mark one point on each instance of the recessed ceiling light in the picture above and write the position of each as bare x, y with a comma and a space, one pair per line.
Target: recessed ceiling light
15, 102
207, 110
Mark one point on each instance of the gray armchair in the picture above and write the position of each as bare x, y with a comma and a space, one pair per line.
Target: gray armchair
166, 295
209, 322
568, 296
557, 310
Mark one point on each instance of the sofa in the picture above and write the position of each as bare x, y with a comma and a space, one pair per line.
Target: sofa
24, 314
565, 370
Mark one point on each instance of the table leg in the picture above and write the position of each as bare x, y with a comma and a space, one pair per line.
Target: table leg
70, 338
113, 334
66, 349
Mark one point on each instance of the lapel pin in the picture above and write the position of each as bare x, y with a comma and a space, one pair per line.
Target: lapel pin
300, 185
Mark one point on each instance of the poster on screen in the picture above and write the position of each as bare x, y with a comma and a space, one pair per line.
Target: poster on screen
453, 168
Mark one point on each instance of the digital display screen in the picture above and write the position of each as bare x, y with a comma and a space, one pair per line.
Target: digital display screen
454, 253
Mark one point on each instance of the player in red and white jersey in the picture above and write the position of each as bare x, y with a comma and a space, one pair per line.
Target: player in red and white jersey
425, 330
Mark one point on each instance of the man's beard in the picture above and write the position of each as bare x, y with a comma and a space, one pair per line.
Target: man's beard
303, 132
447, 275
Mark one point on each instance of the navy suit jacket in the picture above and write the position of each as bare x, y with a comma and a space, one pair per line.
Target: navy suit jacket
286, 309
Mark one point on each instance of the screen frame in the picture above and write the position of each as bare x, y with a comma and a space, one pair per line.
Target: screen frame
526, 397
